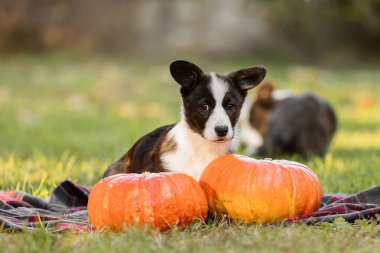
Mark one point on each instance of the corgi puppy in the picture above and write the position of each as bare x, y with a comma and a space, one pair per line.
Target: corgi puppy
211, 105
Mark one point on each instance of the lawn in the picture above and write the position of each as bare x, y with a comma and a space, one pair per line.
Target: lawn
65, 116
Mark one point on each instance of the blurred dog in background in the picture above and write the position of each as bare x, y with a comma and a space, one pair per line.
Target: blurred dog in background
278, 122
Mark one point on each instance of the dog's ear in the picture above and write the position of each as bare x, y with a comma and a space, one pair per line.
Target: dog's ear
248, 78
185, 73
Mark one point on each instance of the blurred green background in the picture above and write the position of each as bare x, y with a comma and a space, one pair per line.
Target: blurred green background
311, 31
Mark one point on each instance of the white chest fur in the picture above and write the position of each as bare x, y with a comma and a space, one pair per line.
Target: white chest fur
193, 153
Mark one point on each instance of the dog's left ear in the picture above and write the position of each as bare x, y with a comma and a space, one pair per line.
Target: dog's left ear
185, 73
248, 78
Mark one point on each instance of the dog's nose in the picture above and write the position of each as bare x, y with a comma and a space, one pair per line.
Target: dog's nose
221, 131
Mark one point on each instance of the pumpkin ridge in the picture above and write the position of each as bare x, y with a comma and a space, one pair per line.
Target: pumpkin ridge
197, 203
153, 186
106, 201
175, 199
314, 179
235, 191
249, 185
125, 213
180, 197
141, 196
149, 204
294, 192
223, 170
209, 187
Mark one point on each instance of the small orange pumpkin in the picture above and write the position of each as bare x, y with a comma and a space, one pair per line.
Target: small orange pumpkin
260, 191
159, 200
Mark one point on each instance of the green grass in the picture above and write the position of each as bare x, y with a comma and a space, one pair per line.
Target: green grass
65, 116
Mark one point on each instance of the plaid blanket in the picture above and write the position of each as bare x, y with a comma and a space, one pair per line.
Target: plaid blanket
66, 209
362, 205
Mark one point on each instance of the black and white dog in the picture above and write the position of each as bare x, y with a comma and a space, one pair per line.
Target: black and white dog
211, 105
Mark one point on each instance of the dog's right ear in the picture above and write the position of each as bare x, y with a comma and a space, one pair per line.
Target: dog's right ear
185, 73
248, 78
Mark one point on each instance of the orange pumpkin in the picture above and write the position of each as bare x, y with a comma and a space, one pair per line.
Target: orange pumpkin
260, 191
158, 200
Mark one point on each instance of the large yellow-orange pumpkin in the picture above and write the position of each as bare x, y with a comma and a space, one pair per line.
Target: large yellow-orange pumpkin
158, 200
260, 191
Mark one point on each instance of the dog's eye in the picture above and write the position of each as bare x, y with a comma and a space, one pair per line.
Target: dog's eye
204, 107
230, 107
